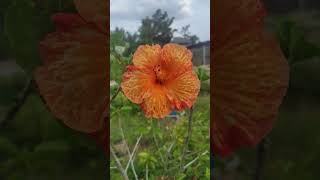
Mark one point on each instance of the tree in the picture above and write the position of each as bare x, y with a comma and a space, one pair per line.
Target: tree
156, 29
117, 37
124, 38
133, 41
187, 34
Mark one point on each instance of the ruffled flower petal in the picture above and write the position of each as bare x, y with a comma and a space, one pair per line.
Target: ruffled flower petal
95, 12
161, 80
250, 79
73, 80
250, 76
157, 105
233, 18
71, 31
176, 59
183, 90
136, 84
146, 57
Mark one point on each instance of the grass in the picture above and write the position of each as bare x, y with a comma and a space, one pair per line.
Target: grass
133, 124
296, 141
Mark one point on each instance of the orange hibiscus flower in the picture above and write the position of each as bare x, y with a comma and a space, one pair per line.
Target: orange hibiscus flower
250, 76
161, 80
74, 79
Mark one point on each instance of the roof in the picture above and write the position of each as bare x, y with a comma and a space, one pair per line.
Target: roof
181, 40
205, 43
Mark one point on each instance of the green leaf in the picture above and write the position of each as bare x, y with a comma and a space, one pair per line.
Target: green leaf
143, 155
116, 39
202, 74
119, 49
208, 173
52, 146
7, 148
294, 43
126, 109
24, 27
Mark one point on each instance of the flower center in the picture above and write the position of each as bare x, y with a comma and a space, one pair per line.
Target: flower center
160, 74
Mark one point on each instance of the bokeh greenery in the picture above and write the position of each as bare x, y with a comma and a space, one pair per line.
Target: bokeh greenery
292, 148
35, 145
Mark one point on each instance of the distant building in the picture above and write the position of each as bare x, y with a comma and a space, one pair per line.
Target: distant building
181, 41
201, 53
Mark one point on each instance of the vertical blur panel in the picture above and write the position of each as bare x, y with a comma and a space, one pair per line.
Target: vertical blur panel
263, 114
54, 93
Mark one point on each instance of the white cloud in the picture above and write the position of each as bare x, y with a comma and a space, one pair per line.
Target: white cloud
128, 14
137, 9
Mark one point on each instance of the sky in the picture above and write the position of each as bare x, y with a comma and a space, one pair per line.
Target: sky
128, 14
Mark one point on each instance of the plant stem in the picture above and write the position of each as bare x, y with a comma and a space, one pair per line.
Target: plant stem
186, 143
115, 94
261, 153
147, 172
13, 111
118, 164
133, 153
195, 159
130, 155
158, 147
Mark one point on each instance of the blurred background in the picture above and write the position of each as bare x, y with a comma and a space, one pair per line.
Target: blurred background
292, 149
33, 144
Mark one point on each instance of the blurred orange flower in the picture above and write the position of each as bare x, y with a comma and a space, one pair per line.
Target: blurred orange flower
250, 76
161, 80
74, 79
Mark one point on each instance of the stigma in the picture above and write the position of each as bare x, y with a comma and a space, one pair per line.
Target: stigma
160, 74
